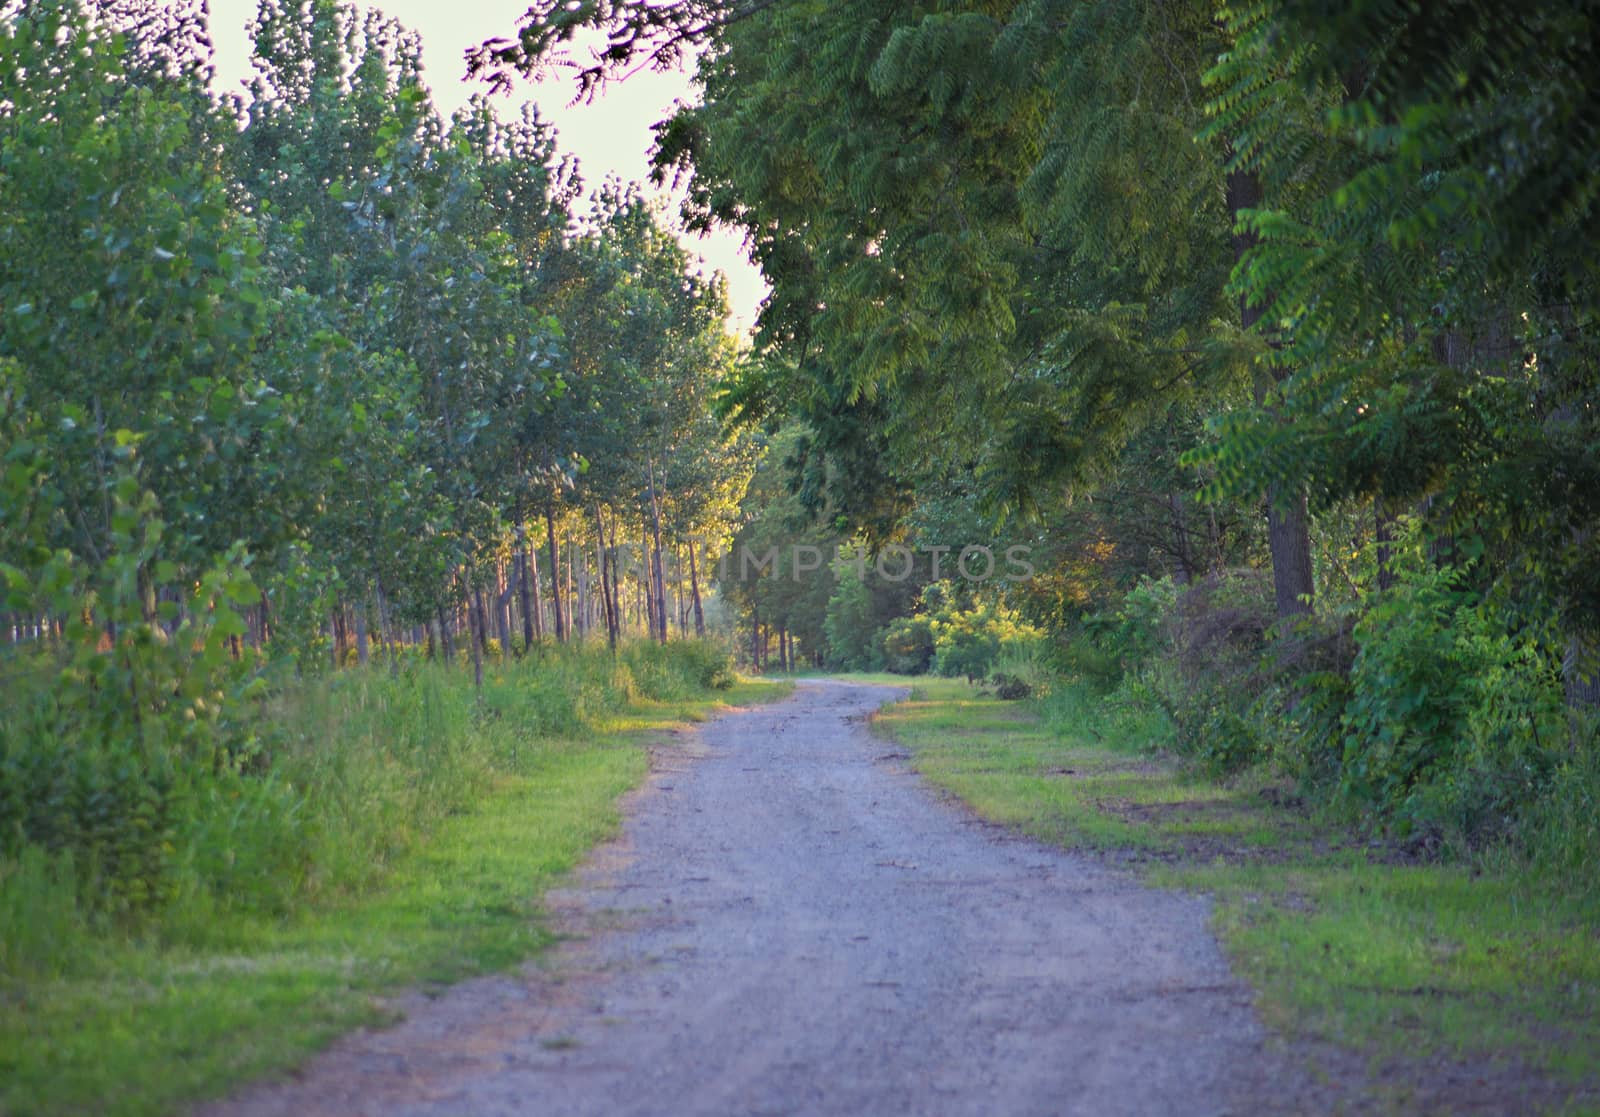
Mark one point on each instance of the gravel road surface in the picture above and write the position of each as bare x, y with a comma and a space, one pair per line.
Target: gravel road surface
792, 923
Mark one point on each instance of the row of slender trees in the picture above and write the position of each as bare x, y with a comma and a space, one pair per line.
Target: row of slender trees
399, 377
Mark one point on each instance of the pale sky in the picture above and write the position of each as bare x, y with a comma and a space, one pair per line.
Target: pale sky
610, 136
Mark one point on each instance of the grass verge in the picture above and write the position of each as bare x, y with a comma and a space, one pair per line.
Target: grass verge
1455, 989
141, 1022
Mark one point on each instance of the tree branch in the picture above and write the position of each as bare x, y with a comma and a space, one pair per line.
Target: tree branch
637, 36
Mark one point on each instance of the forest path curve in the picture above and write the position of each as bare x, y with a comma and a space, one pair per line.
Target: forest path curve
793, 923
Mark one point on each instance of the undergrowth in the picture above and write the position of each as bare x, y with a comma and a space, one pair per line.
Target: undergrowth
389, 829
1419, 970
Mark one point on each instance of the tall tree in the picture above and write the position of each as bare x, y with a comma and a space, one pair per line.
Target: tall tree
986, 222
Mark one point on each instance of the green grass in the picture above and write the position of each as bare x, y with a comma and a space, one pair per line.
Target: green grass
1400, 962
141, 1022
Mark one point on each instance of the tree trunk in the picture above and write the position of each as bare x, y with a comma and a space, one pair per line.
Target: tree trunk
658, 583
1288, 521
1180, 540
656, 573
502, 608
574, 592
445, 643
362, 651
522, 586
1383, 534
1579, 674
480, 617
1289, 539
585, 585
475, 642
680, 603
338, 635
388, 634
555, 574
579, 558
538, 594
616, 574
608, 605
648, 588
694, 592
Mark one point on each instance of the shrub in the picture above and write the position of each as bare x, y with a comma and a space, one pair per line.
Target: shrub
707, 662
678, 670
1026, 667
968, 643
1195, 651
1082, 658
1141, 628
1011, 688
1454, 726
908, 645
112, 723
1424, 708
352, 769
1561, 831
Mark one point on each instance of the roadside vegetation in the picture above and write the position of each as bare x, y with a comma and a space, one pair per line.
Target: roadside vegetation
1429, 987
1224, 379
401, 832
344, 454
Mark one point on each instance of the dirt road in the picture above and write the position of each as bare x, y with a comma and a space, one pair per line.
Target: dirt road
794, 924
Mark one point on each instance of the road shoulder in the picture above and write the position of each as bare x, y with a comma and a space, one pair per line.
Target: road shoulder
1405, 986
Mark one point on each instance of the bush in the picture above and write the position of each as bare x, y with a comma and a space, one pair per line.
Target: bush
968, 643
351, 769
908, 645
678, 670
1195, 651
1011, 688
1423, 709
1453, 726
1561, 831
113, 723
110, 812
1141, 629
707, 662
43, 922
1027, 667
1083, 659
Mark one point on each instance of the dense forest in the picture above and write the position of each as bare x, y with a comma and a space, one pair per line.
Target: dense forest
1268, 330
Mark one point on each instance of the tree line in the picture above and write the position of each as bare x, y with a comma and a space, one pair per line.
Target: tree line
364, 375
1270, 327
